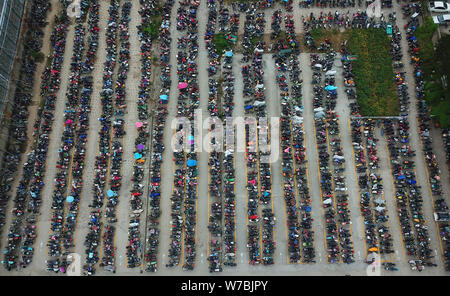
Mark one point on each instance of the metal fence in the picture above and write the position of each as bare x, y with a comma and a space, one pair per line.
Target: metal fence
11, 12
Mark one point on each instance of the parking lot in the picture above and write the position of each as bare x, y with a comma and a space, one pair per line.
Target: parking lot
316, 209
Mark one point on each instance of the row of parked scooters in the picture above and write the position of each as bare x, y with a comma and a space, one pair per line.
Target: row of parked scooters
328, 3
98, 231
159, 120
62, 232
34, 169
253, 28
331, 161
259, 179
17, 133
408, 197
134, 246
446, 140
184, 196
442, 216
15, 146
215, 161
67, 192
118, 130
227, 100
295, 183
222, 249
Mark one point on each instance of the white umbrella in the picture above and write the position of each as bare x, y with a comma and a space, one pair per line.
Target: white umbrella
297, 119
327, 201
320, 114
379, 209
380, 201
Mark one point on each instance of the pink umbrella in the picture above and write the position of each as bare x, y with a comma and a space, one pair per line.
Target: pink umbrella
139, 124
69, 121
182, 85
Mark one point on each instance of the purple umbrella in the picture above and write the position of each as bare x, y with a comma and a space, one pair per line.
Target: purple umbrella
140, 147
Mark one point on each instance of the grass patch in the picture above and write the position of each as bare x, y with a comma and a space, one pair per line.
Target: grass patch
424, 35
37, 56
318, 34
255, 40
221, 43
373, 72
153, 28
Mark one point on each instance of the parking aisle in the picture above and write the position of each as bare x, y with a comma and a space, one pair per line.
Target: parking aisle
352, 182
311, 149
241, 195
273, 111
438, 149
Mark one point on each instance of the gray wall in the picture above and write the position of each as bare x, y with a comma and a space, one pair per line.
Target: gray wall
10, 20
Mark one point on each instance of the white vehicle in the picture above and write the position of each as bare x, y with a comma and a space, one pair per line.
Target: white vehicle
438, 6
441, 19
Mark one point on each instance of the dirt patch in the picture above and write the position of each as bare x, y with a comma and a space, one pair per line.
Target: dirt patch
335, 36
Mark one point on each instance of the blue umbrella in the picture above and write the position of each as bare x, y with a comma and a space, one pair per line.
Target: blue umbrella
137, 155
401, 177
69, 199
191, 163
330, 87
110, 193
229, 54
412, 181
308, 209
163, 97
